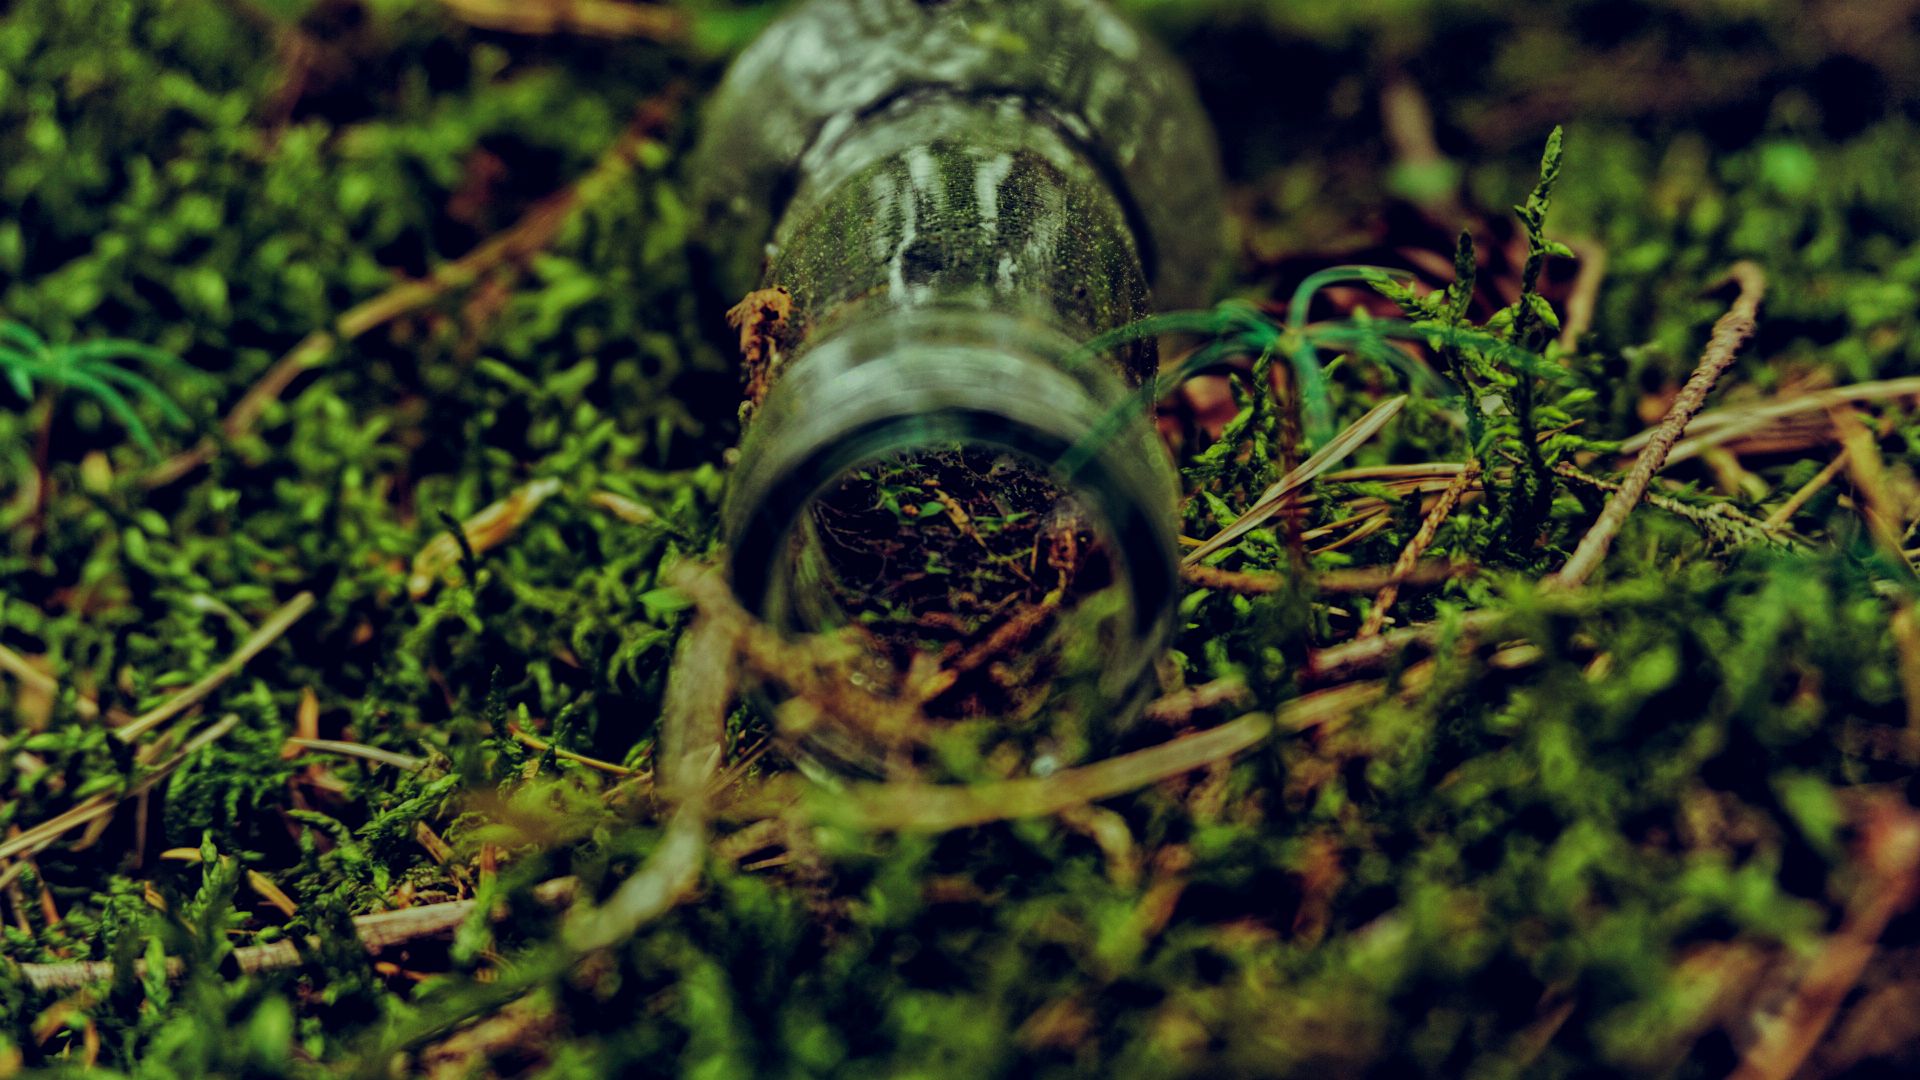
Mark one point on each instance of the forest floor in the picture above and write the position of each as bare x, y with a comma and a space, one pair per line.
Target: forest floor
361, 440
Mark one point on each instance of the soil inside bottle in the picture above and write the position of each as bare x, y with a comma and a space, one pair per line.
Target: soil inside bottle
963, 554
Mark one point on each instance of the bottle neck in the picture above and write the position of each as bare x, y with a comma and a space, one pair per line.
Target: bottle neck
950, 202
930, 378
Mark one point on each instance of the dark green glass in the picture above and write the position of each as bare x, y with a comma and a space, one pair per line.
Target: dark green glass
957, 194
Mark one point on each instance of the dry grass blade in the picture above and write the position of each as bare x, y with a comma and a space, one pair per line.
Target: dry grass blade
374, 754
1338, 663
693, 731
1336, 582
916, 807
1869, 474
590, 18
484, 531
1783, 516
693, 723
628, 510
268, 633
1732, 331
1713, 518
1178, 707
45, 833
376, 932
541, 746
16, 665
1892, 855
1734, 423
1270, 501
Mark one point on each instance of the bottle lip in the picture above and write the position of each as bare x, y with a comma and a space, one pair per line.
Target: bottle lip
764, 515
928, 379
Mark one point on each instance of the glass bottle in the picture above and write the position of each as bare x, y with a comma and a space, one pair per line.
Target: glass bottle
956, 194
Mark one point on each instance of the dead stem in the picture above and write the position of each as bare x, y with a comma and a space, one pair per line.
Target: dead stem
42, 683
589, 18
1892, 856
376, 932
1868, 472
99, 806
1339, 663
525, 238
439, 558
1180, 707
1783, 516
1724, 426
1729, 334
1410, 555
269, 632
374, 754
917, 807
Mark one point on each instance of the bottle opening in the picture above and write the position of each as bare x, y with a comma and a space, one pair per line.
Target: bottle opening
972, 567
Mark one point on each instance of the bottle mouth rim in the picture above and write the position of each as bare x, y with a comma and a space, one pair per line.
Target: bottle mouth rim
767, 512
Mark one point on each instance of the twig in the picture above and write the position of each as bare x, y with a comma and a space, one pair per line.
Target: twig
1339, 663
1327, 582
591, 18
440, 557
917, 807
1180, 707
1784, 514
693, 718
536, 230
1725, 425
1869, 474
376, 932
693, 732
1868, 471
1715, 517
1893, 857
16, 665
1416, 547
1586, 292
540, 745
404, 762
269, 632
1729, 334
44, 834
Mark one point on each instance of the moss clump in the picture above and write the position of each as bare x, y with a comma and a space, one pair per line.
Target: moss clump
1570, 832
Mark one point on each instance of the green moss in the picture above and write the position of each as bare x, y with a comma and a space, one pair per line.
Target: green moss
1418, 890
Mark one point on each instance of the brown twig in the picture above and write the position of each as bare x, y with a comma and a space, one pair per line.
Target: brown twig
1892, 854
1416, 547
16, 665
542, 746
1714, 516
1354, 659
374, 754
1339, 582
1783, 516
589, 18
44, 834
376, 932
269, 632
1729, 334
533, 232
1869, 474
918, 807
1180, 707
1729, 424
439, 558
1272, 500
